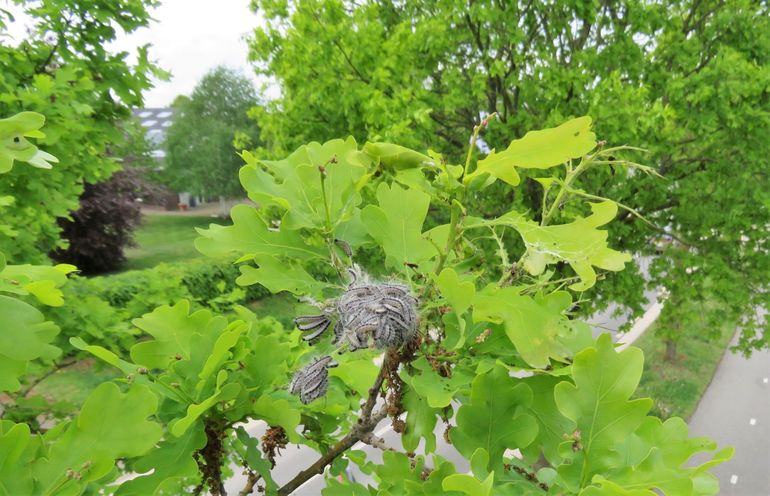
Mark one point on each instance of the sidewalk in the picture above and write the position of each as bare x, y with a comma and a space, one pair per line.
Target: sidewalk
735, 411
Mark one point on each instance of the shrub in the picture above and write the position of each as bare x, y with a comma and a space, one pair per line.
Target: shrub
104, 306
102, 227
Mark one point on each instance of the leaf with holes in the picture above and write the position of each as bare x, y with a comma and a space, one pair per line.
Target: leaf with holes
541, 149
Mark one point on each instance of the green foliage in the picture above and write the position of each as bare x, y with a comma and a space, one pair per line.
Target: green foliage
101, 307
63, 68
206, 128
478, 323
499, 347
685, 79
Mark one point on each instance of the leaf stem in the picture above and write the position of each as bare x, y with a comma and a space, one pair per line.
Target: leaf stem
572, 174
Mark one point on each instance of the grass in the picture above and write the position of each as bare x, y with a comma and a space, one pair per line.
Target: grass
281, 306
165, 238
74, 383
678, 387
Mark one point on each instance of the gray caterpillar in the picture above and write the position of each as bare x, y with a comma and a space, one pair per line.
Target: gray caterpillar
385, 313
311, 381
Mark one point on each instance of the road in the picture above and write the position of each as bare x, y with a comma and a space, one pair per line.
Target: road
735, 411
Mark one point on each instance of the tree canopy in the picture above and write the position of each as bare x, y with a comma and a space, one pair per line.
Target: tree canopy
687, 80
201, 141
64, 69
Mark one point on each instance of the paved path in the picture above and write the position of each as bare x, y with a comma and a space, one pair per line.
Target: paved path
735, 411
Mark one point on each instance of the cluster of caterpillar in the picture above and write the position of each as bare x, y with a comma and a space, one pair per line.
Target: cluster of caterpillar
384, 314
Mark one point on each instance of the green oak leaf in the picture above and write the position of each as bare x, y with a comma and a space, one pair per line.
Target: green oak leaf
254, 458
179, 426
278, 411
433, 483
250, 235
541, 149
552, 425
294, 184
396, 224
277, 276
105, 355
41, 281
172, 460
219, 353
420, 421
469, 485
534, 327
658, 457
397, 471
609, 488
25, 336
497, 417
357, 371
396, 156
459, 294
437, 390
579, 243
334, 487
15, 458
598, 402
111, 425
172, 327
266, 361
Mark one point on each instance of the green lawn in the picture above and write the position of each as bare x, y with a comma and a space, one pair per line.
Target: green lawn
165, 238
281, 306
678, 387
74, 383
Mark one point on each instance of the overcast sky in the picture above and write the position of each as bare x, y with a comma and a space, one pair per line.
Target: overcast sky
188, 38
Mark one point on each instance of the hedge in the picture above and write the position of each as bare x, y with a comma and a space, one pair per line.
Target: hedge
103, 306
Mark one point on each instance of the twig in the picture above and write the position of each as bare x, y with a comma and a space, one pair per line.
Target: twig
366, 411
376, 442
347, 442
59, 366
367, 422
251, 481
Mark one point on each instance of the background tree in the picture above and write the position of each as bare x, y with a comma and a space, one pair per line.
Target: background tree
201, 152
686, 79
63, 69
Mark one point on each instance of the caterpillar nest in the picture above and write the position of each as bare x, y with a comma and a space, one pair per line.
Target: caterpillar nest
367, 313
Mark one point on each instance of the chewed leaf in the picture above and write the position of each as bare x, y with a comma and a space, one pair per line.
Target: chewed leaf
41, 160
578, 243
537, 328
540, 150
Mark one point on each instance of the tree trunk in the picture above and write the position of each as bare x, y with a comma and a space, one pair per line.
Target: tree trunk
670, 355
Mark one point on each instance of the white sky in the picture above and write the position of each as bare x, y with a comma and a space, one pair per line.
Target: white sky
188, 38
